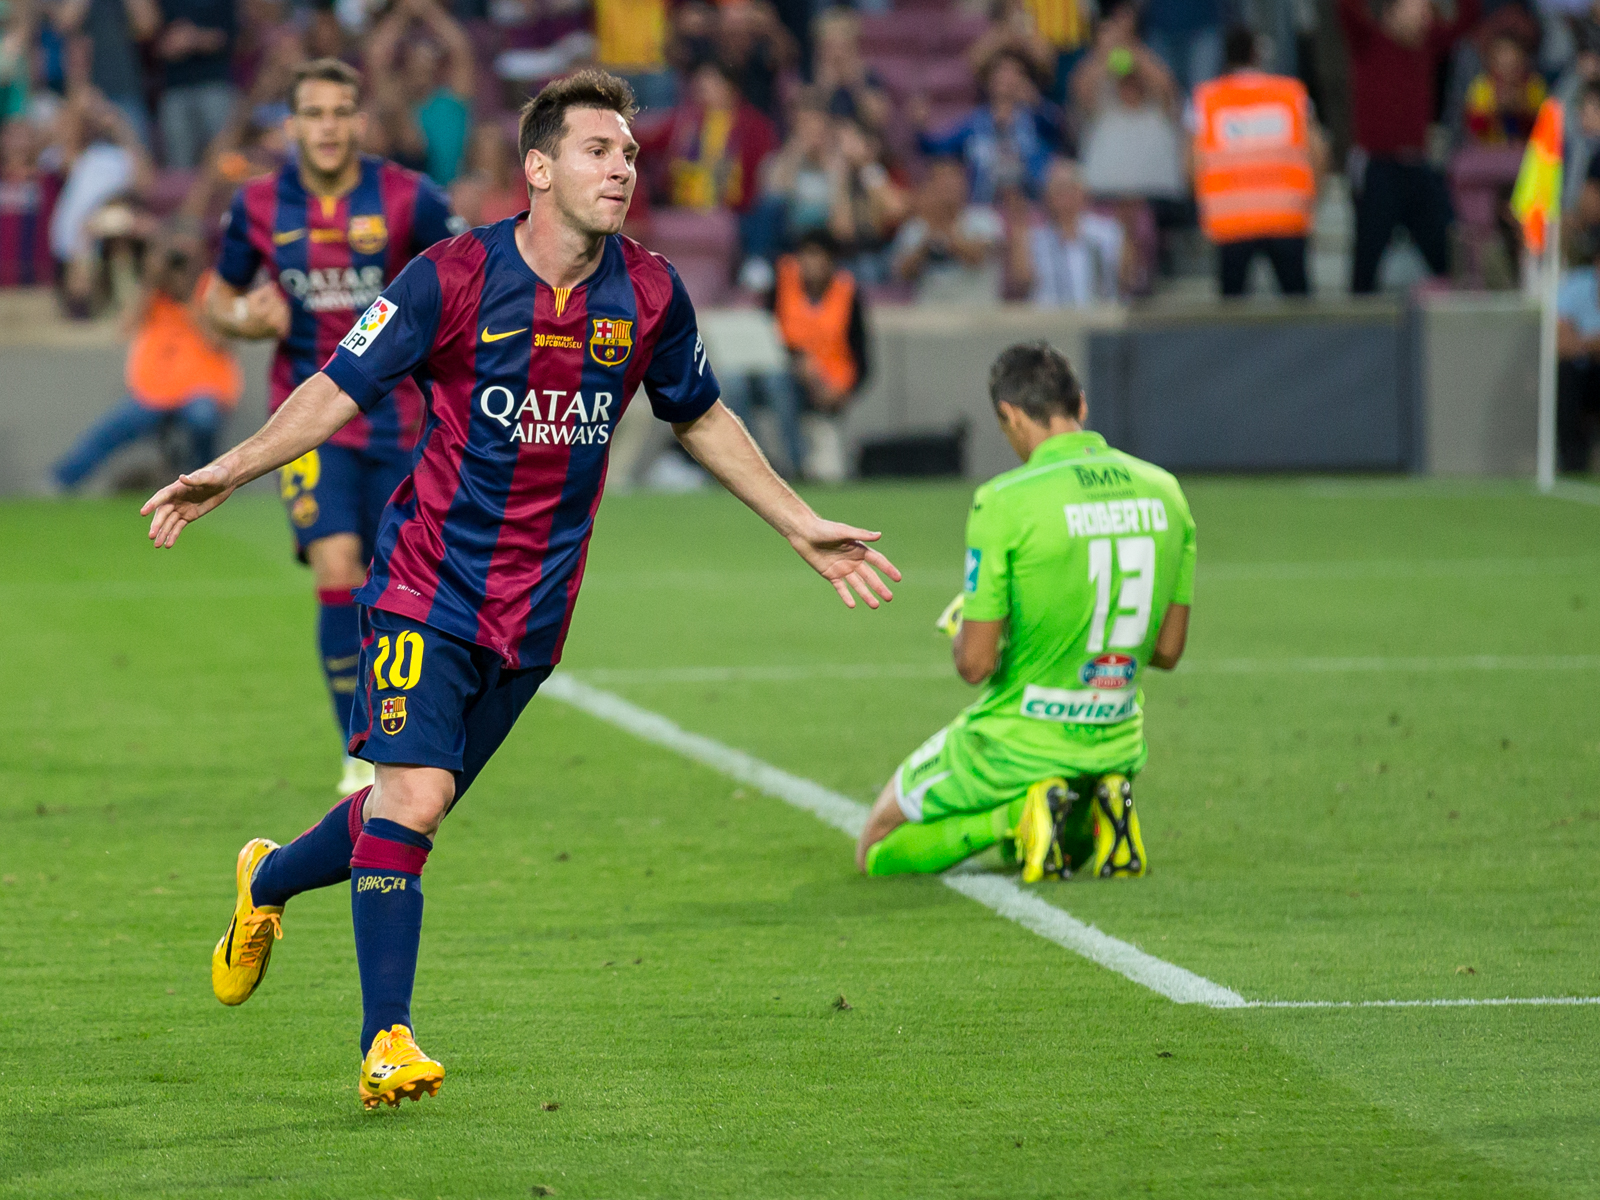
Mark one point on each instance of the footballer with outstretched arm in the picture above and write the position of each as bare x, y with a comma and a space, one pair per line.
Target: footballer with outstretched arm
529, 336
1079, 574
306, 249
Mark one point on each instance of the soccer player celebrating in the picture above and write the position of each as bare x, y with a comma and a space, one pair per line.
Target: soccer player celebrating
331, 229
531, 334
1080, 566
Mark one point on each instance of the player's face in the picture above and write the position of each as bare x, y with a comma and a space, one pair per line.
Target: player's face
327, 125
591, 179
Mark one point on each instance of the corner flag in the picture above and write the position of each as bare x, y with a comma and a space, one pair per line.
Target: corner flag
1536, 202
1536, 199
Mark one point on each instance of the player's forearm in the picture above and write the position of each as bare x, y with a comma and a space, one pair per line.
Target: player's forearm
230, 315
722, 445
976, 649
313, 413
1173, 636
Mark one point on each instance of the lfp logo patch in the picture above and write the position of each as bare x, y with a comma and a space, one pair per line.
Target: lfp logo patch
610, 342
1109, 672
392, 717
974, 560
369, 326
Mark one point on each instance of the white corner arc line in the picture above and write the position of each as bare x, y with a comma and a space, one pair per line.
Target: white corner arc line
997, 893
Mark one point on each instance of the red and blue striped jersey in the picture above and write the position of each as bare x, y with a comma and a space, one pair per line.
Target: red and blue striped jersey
525, 383
25, 207
332, 256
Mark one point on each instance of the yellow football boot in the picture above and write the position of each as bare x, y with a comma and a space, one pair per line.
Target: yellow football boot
239, 963
1118, 848
395, 1068
1036, 830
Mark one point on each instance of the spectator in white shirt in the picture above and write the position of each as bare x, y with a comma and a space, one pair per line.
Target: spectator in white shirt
1075, 257
951, 250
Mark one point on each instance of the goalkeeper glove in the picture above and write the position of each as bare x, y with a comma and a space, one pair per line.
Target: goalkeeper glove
949, 621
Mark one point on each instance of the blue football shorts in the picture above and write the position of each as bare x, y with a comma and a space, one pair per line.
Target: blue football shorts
428, 699
334, 489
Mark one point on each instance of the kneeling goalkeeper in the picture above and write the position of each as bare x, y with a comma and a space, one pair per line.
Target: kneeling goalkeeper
1079, 573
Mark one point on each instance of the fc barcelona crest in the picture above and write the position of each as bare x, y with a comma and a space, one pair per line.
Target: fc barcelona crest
610, 342
392, 717
368, 234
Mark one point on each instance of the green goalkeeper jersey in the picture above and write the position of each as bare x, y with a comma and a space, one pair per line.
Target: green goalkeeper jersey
1079, 551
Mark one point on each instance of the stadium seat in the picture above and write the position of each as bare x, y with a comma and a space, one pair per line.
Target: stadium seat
168, 190
892, 32
1480, 179
701, 246
947, 80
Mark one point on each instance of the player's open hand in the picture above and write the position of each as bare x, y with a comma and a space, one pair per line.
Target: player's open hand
839, 554
189, 499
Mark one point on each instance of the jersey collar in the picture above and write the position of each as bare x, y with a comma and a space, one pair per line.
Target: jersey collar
1067, 445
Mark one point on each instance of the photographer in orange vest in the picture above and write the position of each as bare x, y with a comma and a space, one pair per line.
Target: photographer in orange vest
818, 317
1257, 157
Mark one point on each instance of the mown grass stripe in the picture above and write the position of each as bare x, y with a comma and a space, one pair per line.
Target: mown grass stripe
1352, 664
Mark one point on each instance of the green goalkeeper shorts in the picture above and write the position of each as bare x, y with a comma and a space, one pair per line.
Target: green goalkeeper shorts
971, 765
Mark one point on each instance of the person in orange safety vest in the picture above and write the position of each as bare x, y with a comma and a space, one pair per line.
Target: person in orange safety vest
1257, 156
180, 374
818, 316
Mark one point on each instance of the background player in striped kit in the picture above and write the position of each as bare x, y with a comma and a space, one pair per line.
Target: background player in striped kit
328, 231
533, 334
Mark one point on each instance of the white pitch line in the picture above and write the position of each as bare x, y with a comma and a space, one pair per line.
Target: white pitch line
1500, 1002
995, 892
1583, 493
849, 816
1217, 666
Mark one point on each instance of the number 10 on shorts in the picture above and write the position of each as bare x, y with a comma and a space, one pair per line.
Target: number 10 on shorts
406, 669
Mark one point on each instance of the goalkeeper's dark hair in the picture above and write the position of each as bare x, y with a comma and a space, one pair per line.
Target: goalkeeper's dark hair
1038, 379
543, 122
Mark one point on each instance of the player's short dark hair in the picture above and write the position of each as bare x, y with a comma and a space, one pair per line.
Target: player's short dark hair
325, 70
543, 122
1239, 47
1038, 379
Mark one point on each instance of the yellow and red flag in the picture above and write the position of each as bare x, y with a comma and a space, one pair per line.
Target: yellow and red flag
1536, 200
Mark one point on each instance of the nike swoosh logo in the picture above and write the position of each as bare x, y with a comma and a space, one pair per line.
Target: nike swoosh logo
292, 235
495, 337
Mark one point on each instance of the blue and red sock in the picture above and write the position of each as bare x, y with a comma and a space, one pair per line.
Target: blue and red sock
339, 638
386, 908
319, 857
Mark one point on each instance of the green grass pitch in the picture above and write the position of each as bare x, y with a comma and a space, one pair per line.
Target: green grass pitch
630, 964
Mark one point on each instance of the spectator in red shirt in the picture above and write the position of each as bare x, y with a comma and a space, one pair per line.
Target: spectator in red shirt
715, 144
1394, 61
27, 195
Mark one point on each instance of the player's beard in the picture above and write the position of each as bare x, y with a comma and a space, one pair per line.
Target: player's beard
590, 221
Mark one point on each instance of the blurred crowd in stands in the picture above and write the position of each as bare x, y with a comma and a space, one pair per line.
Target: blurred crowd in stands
1043, 151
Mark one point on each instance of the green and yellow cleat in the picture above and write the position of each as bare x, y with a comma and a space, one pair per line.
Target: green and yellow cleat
1038, 849
1118, 848
396, 1069
239, 963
